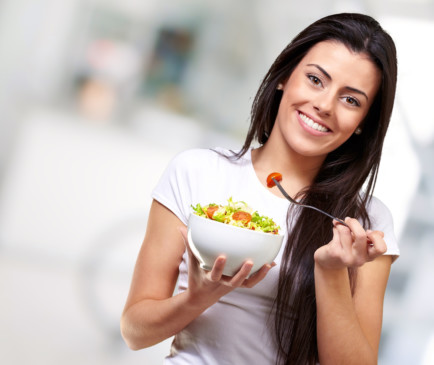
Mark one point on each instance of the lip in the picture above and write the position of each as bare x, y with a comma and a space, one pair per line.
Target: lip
310, 130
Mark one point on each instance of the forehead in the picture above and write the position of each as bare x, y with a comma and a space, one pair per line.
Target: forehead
344, 65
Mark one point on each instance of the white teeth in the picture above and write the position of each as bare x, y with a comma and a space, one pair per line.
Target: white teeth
313, 124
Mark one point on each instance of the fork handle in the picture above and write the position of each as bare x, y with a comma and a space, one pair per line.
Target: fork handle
285, 194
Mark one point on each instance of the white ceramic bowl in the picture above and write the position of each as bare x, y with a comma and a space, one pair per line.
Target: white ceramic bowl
208, 239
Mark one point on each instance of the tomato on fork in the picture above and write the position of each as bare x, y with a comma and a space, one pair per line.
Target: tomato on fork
275, 175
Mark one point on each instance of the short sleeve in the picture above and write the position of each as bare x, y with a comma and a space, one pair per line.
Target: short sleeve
187, 177
382, 220
174, 187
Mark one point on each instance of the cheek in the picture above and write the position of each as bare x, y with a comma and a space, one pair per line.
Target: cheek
350, 120
290, 101
284, 106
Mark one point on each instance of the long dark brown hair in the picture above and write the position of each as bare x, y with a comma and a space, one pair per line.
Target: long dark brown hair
337, 186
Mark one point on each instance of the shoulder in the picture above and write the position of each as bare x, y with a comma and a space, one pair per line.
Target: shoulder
201, 155
200, 159
199, 175
195, 154
189, 161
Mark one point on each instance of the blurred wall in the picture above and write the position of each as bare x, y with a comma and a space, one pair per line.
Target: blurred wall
97, 96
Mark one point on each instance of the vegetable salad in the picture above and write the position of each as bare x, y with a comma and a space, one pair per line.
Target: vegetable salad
237, 214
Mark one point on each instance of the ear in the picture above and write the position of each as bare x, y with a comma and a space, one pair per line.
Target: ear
281, 85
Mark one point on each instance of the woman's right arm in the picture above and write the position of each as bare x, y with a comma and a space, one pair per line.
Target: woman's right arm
151, 312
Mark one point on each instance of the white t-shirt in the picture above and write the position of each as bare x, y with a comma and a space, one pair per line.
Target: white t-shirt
238, 329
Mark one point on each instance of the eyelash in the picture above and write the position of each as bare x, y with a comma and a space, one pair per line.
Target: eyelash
315, 79
355, 102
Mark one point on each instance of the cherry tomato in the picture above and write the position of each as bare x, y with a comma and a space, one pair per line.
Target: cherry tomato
275, 175
242, 216
211, 210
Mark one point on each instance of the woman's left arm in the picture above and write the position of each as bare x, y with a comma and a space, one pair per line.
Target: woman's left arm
349, 326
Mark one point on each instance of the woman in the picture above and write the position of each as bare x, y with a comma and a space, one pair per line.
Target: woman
320, 117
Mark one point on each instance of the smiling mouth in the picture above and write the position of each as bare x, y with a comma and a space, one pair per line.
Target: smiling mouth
314, 125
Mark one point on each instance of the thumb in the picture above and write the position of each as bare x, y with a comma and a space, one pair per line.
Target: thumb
369, 232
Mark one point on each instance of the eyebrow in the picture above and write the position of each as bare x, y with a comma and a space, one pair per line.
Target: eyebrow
326, 74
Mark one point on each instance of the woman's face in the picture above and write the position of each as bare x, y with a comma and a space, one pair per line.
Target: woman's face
325, 99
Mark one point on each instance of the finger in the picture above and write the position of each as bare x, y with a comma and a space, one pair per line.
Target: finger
360, 240
242, 274
217, 270
345, 237
258, 276
335, 244
357, 231
336, 222
336, 240
378, 232
370, 244
378, 246
340, 247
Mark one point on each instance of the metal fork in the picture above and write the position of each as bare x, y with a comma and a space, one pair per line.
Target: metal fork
286, 195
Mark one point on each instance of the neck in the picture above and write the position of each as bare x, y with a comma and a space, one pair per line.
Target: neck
298, 171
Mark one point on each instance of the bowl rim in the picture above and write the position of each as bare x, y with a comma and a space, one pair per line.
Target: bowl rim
233, 227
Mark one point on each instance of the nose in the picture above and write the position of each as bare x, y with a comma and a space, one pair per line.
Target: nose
323, 103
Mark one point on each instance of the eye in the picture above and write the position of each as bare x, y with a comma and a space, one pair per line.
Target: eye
351, 101
315, 80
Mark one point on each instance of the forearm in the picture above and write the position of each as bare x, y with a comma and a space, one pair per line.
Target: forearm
151, 321
340, 337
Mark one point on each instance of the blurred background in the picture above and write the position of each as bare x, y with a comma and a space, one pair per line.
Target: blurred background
97, 96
